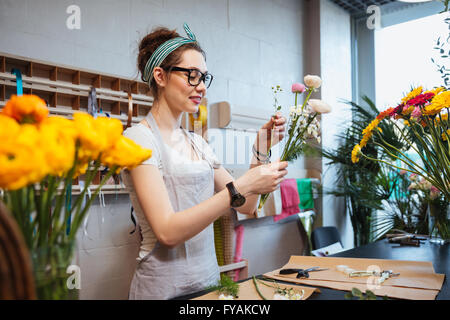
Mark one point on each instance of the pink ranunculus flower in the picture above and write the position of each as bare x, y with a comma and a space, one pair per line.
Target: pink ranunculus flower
416, 113
298, 88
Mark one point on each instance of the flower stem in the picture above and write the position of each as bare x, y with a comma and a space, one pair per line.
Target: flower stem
257, 289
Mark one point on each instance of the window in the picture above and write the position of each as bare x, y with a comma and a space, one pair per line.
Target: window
403, 55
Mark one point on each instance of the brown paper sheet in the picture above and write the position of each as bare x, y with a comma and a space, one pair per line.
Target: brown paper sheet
417, 279
389, 291
247, 291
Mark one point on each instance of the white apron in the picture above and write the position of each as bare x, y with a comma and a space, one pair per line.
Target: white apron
191, 266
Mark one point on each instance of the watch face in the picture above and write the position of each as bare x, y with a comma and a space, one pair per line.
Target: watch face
238, 200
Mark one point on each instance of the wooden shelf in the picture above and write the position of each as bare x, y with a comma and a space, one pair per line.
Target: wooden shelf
106, 189
66, 89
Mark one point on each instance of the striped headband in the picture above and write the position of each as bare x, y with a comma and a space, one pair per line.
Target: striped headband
164, 50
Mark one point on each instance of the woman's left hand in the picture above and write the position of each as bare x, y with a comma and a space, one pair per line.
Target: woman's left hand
265, 135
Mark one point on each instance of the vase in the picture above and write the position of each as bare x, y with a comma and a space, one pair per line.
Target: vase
50, 266
439, 222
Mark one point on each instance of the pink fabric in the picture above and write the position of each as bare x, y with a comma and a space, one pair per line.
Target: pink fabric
289, 199
239, 230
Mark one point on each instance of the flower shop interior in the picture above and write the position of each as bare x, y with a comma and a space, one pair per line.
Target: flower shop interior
359, 184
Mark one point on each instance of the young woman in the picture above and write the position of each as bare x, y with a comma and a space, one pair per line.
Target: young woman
182, 189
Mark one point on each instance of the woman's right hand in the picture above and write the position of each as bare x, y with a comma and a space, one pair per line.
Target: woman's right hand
262, 179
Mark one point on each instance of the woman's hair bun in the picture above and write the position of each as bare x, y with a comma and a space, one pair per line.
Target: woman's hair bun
150, 43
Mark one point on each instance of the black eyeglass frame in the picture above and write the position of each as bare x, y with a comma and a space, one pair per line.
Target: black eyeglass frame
202, 78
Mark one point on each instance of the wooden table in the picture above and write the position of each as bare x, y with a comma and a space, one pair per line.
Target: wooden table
439, 255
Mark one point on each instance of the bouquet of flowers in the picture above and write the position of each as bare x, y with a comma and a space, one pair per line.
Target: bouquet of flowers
421, 120
426, 129
39, 158
303, 123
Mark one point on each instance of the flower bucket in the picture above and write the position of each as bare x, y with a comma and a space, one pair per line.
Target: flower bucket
50, 265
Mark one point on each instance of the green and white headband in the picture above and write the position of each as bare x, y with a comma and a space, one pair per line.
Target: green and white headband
164, 50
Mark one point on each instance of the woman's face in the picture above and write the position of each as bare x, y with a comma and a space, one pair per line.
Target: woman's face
178, 93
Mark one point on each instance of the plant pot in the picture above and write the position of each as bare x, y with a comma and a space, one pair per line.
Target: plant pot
50, 265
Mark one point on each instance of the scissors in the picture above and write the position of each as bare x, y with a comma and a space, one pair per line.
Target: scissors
301, 273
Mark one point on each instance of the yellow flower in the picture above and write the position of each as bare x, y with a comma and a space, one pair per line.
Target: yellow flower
407, 123
95, 135
445, 134
58, 141
436, 91
414, 93
26, 109
9, 128
440, 117
80, 169
125, 153
438, 103
22, 161
408, 110
368, 132
110, 128
355, 153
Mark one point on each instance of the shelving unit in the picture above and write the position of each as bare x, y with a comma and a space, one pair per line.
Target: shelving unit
66, 90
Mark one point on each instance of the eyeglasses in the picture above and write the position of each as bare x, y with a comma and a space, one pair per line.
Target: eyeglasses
195, 76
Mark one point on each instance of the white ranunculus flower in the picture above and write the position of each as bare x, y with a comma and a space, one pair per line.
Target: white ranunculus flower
312, 81
319, 106
278, 296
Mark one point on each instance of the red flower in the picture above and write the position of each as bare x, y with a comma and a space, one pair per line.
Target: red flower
398, 109
421, 99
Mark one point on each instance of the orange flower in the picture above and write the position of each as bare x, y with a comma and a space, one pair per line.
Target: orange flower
27, 108
385, 113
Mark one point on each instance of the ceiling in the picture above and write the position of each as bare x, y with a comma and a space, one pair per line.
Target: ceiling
360, 6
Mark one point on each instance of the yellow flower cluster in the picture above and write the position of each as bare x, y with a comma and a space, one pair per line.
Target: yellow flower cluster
439, 102
35, 145
368, 132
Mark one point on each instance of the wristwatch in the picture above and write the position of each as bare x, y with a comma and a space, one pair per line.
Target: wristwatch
237, 199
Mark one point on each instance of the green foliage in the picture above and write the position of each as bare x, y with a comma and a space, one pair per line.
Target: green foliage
226, 286
443, 49
356, 293
446, 4
369, 186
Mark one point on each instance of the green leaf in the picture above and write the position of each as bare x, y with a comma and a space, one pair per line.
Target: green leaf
356, 292
370, 295
348, 296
